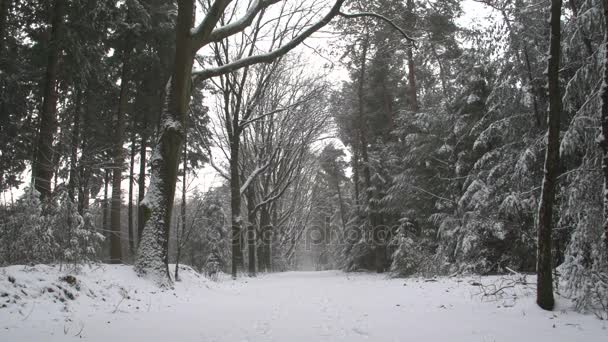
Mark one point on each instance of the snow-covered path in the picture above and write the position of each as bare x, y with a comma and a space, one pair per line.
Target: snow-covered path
304, 306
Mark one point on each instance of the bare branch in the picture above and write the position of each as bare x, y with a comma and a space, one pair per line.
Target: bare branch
254, 174
381, 17
270, 56
234, 27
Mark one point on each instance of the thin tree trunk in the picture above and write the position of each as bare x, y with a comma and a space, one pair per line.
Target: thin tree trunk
4, 7
104, 223
532, 88
411, 80
355, 165
119, 159
341, 204
130, 205
42, 172
411, 69
235, 200
141, 182
153, 256
603, 138
251, 216
73, 182
183, 208
544, 267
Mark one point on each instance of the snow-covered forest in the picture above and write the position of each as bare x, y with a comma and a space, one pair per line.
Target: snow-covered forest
308, 170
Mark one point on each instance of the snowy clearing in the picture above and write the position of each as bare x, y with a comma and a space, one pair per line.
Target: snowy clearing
111, 303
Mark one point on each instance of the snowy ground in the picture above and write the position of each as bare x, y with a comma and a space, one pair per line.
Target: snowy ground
111, 304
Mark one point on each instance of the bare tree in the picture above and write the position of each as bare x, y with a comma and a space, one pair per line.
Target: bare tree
153, 250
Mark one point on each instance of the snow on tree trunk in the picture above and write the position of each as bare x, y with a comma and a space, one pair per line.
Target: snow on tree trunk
153, 254
604, 119
544, 295
152, 257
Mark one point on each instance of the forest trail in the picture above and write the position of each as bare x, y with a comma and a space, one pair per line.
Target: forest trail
303, 306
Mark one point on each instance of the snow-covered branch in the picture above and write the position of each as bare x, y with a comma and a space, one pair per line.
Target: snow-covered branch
234, 27
254, 174
381, 17
270, 56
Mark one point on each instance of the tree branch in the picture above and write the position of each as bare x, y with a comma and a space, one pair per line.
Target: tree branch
381, 17
234, 27
254, 174
270, 56
205, 28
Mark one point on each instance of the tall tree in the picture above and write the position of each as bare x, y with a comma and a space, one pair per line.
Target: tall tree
544, 269
43, 165
153, 250
603, 140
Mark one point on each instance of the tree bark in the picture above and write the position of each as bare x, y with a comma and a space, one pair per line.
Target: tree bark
104, 223
4, 7
340, 202
42, 172
411, 70
379, 248
183, 208
235, 200
544, 269
73, 182
153, 253
411, 80
604, 135
130, 205
265, 239
119, 160
251, 218
141, 181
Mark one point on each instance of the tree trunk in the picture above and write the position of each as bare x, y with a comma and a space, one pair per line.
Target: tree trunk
341, 203
265, 239
42, 172
4, 7
235, 201
183, 208
73, 182
251, 216
119, 160
603, 137
153, 253
130, 205
544, 267
411, 80
104, 223
141, 182
411, 70
379, 248
355, 166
